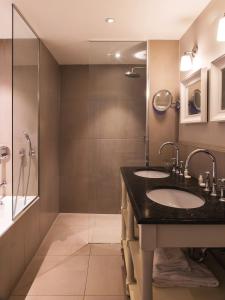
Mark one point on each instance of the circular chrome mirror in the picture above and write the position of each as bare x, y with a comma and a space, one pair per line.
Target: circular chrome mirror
162, 100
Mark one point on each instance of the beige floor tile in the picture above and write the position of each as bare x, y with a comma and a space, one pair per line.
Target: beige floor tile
105, 234
107, 219
105, 276
64, 240
85, 250
54, 275
46, 298
106, 298
73, 219
106, 249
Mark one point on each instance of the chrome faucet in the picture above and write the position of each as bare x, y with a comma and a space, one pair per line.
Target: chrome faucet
214, 167
175, 145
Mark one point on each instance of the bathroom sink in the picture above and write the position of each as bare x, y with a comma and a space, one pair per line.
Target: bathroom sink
151, 174
175, 198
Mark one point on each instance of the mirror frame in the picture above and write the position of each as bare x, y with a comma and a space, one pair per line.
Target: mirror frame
216, 113
185, 118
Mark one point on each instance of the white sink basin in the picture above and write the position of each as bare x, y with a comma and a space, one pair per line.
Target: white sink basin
175, 198
151, 174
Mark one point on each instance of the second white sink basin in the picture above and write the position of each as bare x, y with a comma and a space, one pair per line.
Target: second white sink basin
151, 174
175, 198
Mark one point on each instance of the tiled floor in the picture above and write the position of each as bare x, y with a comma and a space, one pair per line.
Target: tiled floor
67, 267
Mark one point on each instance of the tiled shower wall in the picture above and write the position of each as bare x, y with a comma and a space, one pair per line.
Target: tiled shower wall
102, 128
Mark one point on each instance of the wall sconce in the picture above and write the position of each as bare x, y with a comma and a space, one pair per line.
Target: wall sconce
186, 62
221, 30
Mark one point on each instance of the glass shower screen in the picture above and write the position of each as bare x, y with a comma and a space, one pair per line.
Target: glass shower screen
25, 114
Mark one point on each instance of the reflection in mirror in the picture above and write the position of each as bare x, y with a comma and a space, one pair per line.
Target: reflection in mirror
162, 100
223, 90
194, 98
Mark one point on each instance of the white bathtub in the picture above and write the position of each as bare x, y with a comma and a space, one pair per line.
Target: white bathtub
6, 214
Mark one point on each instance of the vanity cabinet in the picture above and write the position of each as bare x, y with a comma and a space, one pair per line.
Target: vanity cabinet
139, 239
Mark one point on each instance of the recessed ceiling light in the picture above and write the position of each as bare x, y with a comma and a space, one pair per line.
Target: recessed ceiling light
109, 20
117, 55
141, 55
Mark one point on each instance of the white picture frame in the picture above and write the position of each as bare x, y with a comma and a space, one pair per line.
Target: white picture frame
217, 114
201, 117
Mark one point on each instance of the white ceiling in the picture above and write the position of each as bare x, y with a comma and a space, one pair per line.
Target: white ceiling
67, 25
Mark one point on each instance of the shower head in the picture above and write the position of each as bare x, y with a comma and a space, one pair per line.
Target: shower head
132, 74
31, 150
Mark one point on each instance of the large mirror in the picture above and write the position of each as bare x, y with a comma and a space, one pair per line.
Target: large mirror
217, 90
194, 98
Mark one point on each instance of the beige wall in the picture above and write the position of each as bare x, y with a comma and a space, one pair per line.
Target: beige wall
163, 74
20, 242
203, 32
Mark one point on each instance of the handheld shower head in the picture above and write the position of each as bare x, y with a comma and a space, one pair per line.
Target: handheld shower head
27, 137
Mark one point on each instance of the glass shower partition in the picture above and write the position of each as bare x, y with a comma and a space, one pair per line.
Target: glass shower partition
25, 69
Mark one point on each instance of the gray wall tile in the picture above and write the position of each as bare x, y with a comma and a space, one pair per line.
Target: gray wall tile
102, 127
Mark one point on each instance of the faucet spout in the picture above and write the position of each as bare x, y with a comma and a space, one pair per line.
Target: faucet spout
214, 166
176, 147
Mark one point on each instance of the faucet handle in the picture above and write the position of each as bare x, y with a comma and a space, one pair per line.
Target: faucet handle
207, 182
174, 164
181, 168
221, 182
222, 187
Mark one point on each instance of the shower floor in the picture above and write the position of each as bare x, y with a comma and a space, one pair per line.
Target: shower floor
72, 231
6, 211
80, 258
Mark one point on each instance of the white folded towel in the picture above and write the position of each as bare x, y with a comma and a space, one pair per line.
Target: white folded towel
197, 275
170, 259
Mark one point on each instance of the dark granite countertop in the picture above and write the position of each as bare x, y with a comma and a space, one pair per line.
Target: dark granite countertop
148, 212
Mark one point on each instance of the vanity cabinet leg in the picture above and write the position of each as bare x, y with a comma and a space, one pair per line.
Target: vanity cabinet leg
123, 207
130, 269
123, 232
130, 221
146, 274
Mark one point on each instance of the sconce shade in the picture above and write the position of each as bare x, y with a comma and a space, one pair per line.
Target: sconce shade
221, 30
186, 63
